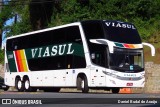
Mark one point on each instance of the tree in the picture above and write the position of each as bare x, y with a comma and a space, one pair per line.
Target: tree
40, 14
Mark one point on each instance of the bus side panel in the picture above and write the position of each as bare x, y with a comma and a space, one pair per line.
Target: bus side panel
72, 74
36, 78
98, 77
9, 79
59, 78
48, 78
10, 68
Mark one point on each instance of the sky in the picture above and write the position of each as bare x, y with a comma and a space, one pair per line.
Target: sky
8, 22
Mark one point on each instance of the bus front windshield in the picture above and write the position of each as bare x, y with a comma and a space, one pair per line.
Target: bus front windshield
126, 60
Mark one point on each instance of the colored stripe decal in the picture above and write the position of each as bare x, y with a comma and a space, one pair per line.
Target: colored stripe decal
119, 44
136, 46
126, 45
18, 61
24, 61
131, 46
21, 61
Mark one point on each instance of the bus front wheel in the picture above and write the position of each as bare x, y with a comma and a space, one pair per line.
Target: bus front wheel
82, 84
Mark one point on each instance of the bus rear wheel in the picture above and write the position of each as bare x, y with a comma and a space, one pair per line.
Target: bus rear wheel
19, 85
82, 84
27, 86
115, 90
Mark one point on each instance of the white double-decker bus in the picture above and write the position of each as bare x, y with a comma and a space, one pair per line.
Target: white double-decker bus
94, 54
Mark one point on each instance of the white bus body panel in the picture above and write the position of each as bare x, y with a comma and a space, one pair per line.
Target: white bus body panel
125, 81
101, 77
9, 79
52, 78
98, 79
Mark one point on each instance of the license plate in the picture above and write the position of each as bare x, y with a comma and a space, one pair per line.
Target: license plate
129, 84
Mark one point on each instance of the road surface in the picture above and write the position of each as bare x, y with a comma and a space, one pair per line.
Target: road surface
78, 99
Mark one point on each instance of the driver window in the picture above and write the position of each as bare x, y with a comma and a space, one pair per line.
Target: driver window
99, 55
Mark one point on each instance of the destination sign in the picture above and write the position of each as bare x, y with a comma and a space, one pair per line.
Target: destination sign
120, 25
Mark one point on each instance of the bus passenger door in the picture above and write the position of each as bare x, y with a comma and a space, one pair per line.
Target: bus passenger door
97, 77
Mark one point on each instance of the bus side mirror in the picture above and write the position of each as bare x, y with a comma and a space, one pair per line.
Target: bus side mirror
152, 48
103, 42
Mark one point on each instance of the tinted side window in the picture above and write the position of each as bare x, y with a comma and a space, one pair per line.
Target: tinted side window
98, 53
74, 61
93, 30
10, 45
47, 38
60, 36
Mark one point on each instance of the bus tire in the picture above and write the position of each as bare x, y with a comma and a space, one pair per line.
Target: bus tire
115, 90
6, 89
82, 84
19, 85
27, 86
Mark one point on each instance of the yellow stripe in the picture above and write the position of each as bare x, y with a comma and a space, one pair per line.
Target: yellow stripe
131, 46
136, 46
24, 61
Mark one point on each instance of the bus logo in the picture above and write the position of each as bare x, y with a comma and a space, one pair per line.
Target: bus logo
52, 51
10, 56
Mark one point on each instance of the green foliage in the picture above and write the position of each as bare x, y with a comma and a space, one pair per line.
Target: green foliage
13, 9
144, 14
5, 14
22, 24
1, 57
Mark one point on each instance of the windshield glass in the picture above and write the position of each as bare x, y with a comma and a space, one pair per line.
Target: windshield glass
122, 32
126, 60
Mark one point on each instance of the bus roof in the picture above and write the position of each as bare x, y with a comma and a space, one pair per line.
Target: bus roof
66, 25
43, 30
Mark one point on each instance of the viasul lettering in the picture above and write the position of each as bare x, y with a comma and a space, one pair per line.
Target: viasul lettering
52, 50
120, 25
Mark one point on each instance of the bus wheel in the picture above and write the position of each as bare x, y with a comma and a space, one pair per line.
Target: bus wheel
27, 86
82, 84
115, 90
6, 89
19, 85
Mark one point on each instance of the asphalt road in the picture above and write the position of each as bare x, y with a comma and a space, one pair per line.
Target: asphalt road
77, 99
